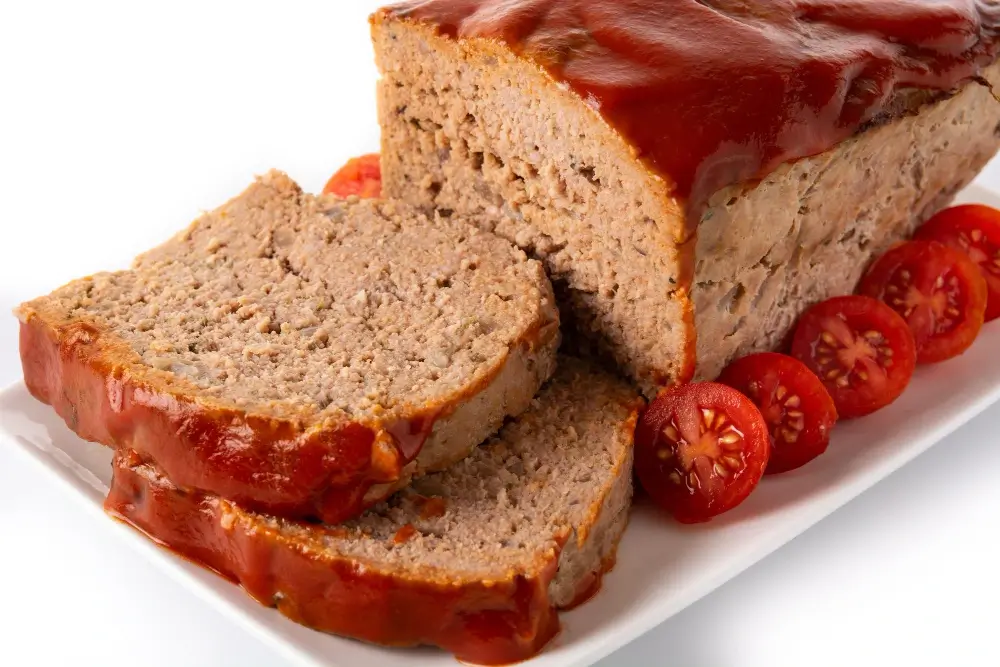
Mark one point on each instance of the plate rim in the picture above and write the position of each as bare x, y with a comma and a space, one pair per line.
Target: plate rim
174, 566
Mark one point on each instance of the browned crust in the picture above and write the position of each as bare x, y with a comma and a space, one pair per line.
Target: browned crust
499, 621
289, 466
589, 586
495, 622
686, 255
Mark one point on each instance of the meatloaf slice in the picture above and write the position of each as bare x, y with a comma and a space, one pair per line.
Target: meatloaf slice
475, 559
300, 355
688, 201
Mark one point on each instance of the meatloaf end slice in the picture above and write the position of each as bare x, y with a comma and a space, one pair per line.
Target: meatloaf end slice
475, 559
469, 125
305, 356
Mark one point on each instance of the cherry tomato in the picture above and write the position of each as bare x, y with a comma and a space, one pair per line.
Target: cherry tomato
700, 449
860, 348
361, 176
975, 230
798, 409
939, 292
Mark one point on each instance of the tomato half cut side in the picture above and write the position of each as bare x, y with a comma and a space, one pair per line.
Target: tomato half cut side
799, 411
938, 290
861, 350
973, 229
700, 449
361, 176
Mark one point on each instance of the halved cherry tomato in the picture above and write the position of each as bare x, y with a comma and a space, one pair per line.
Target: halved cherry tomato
975, 230
860, 348
700, 449
361, 176
796, 406
939, 292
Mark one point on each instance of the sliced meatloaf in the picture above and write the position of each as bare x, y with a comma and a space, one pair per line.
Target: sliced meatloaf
475, 559
300, 355
689, 199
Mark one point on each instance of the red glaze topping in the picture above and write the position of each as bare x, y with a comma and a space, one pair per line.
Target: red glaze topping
433, 508
404, 534
264, 464
717, 92
485, 623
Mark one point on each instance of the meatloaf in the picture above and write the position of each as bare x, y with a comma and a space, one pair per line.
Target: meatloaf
693, 173
475, 559
300, 355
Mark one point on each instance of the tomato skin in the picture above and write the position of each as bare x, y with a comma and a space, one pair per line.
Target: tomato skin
861, 349
361, 176
700, 450
799, 411
938, 290
973, 229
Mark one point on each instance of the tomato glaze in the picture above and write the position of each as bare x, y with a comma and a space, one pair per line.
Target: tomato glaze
712, 93
481, 622
267, 464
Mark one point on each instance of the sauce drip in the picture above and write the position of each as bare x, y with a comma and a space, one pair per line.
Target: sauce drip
404, 534
485, 623
433, 508
411, 434
264, 464
712, 93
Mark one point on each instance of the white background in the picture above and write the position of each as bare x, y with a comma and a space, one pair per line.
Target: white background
119, 121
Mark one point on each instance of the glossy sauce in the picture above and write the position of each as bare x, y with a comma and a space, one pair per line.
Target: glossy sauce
500, 622
592, 585
404, 534
410, 435
272, 465
432, 508
712, 93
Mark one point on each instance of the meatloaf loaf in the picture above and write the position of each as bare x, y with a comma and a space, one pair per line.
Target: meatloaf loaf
300, 355
692, 172
475, 559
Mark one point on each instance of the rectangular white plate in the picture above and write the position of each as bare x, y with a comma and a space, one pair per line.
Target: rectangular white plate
662, 566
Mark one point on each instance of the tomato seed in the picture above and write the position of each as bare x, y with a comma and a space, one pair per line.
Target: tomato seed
730, 438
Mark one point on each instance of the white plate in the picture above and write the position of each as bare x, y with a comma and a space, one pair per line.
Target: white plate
662, 566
